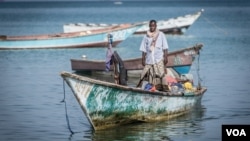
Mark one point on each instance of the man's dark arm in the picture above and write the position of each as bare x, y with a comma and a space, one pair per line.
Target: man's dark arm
143, 58
165, 51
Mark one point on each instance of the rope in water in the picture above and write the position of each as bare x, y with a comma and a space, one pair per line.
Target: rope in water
66, 113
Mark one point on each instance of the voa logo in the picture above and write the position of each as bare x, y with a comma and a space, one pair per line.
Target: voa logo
236, 132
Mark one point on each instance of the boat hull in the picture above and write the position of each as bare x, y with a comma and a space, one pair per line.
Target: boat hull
176, 25
167, 30
107, 105
96, 38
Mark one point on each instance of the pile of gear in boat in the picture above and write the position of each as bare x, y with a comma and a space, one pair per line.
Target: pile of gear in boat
174, 83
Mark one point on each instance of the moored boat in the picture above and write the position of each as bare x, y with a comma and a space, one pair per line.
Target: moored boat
180, 60
108, 104
176, 25
90, 38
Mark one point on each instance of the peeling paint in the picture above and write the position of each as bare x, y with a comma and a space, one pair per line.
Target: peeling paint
106, 103
190, 52
178, 60
109, 106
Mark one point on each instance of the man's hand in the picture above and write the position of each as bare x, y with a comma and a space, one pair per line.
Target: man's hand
165, 61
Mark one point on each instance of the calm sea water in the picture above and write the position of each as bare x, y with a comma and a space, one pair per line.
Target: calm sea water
31, 89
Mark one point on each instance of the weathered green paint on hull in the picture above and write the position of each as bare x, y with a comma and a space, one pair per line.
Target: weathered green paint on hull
107, 105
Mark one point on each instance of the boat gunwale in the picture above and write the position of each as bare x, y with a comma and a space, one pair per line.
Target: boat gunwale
65, 74
196, 15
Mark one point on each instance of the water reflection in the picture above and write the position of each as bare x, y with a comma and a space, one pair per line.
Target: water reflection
165, 130
186, 125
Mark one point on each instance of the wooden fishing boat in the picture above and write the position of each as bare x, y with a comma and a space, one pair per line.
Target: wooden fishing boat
90, 38
108, 104
180, 60
176, 25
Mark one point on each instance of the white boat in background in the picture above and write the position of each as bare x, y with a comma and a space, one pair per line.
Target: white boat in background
118, 2
176, 25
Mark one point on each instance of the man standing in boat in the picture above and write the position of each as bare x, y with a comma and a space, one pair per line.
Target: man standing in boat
154, 49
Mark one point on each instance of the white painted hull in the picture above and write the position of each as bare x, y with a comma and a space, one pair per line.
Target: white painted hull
107, 104
179, 24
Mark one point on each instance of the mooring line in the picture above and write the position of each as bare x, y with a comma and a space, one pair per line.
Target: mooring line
63, 91
212, 23
66, 112
67, 118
